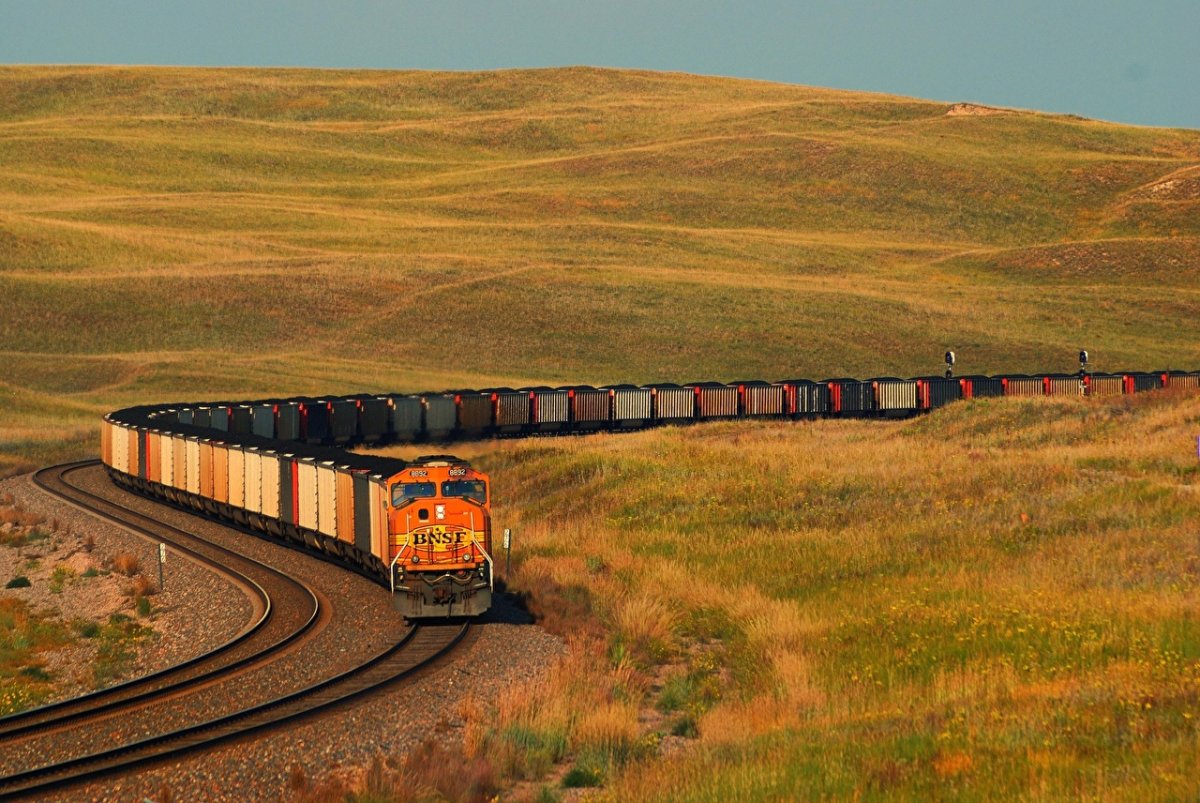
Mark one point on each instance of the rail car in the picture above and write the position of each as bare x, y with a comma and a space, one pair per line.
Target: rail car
281, 467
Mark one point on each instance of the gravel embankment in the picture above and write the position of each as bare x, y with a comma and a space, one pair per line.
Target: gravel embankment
179, 633
501, 652
499, 655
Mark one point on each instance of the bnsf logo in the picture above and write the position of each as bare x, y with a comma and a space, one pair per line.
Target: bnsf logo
438, 539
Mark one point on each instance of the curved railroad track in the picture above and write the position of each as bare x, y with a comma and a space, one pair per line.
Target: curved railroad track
288, 615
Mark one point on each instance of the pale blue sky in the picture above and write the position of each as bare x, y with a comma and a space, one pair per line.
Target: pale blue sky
1134, 62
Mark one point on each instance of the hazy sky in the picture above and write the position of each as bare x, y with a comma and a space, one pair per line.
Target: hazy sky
1135, 62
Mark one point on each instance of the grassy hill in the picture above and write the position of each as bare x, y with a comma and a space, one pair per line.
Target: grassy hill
995, 601
171, 232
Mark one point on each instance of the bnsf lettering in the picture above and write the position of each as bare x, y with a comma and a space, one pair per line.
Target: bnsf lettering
437, 539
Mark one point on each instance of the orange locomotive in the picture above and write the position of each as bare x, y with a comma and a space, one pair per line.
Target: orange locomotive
439, 526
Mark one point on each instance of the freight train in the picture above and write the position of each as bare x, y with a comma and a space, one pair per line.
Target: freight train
422, 527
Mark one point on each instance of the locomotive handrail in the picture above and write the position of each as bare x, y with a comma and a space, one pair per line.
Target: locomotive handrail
487, 557
392, 568
491, 564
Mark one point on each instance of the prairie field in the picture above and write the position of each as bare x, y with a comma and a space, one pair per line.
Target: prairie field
182, 233
997, 600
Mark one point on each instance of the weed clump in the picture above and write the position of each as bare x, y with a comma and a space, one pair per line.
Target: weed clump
20, 581
126, 563
60, 577
143, 586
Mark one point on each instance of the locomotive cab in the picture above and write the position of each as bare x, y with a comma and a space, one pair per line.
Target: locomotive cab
439, 533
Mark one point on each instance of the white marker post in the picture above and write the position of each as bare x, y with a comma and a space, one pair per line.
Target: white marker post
162, 558
507, 547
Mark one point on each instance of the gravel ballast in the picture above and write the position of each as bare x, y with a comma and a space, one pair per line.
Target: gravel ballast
501, 651
179, 633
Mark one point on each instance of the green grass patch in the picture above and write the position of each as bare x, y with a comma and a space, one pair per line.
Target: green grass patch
24, 635
117, 644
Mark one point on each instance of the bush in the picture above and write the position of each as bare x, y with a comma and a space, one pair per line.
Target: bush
143, 586
90, 571
20, 581
143, 606
127, 564
582, 776
685, 727
89, 629
35, 673
59, 578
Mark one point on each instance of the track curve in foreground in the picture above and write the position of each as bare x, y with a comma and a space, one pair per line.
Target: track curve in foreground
267, 632
415, 650
422, 647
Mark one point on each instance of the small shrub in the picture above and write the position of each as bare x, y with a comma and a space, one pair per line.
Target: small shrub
20, 581
581, 776
19, 516
143, 606
445, 770
116, 647
36, 535
127, 564
89, 629
685, 727
90, 571
35, 673
297, 780
59, 578
89, 542
143, 586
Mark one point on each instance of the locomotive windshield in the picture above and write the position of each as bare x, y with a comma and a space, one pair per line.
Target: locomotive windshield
474, 490
405, 492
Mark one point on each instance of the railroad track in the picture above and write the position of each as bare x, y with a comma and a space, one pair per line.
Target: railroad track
287, 615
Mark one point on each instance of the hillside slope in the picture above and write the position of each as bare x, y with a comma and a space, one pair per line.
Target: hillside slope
184, 232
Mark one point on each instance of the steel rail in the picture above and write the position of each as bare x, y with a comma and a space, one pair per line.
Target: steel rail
419, 649
193, 672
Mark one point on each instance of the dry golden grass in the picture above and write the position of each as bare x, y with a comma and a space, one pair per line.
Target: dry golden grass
142, 586
126, 563
18, 516
554, 226
979, 604
994, 601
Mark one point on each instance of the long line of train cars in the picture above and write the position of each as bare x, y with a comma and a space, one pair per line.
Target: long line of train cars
423, 527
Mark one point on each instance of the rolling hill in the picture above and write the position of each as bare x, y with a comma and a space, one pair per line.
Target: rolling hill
184, 232
995, 601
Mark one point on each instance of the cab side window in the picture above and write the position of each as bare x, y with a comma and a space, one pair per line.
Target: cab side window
475, 490
405, 492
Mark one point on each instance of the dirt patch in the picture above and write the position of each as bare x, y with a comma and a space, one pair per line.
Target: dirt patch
1182, 185
974, 110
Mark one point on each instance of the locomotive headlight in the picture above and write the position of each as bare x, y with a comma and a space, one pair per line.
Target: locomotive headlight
416, 559
468, 557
